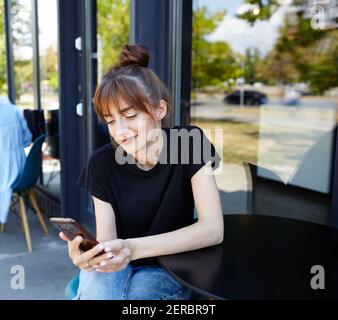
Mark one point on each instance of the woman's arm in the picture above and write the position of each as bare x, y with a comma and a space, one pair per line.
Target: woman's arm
207, 231
105, 221
106, 231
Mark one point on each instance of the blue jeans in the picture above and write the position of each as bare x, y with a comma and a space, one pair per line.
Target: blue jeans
131, 283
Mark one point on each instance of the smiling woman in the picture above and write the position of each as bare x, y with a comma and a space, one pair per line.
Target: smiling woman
139, 208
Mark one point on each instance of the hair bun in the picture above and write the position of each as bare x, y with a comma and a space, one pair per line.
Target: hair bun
134, 55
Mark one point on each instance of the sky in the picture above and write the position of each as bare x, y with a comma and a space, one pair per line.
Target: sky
238, 33
47, 16
48, 23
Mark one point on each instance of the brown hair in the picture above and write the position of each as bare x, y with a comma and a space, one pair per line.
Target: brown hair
132, 81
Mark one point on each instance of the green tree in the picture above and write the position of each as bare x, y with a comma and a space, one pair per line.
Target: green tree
113, 29
252, 60
213, 63
277, 68
22, 38
323, 73
259, 10
20, 26
49, 67
3, 70
300, 53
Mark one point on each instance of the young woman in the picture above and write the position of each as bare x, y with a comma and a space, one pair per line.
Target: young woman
143, 194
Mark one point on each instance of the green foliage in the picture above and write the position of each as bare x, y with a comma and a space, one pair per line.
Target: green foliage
300, 53
213, 63
48, 67
252, 61
264, 10
3, 70
113, 29
323, 73
23, 77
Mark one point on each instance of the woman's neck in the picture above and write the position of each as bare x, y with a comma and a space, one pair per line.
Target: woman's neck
148, 158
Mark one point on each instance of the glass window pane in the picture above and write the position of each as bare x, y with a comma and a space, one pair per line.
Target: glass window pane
47, 18
267, 77
113, 19
3, 64
23, 53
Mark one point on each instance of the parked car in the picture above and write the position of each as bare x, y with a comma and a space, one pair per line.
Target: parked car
251, 98
291, 97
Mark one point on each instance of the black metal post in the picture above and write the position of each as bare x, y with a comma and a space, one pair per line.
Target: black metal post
36, 55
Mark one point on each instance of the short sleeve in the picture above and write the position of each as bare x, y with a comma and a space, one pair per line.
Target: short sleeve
92, 179
201, 151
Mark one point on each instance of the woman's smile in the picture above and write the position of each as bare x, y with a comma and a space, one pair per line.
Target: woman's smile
128, 140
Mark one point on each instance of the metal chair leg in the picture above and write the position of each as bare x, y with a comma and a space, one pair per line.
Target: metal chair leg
32, 196
25, 224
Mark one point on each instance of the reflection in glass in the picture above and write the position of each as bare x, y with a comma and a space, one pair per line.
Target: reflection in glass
267, 76
47, 18
3, 70
21, 12
113, 21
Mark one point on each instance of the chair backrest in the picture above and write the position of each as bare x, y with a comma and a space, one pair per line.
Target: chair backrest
36, 122
269, 197
32, 168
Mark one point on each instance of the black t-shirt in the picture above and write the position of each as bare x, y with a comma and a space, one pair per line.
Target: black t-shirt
155, 201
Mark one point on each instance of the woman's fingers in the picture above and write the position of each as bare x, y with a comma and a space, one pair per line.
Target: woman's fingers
63, 236
87, 267
74, 247
102, 257
121, 259
90, 254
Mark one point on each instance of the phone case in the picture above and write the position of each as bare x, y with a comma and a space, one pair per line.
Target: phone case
72, 229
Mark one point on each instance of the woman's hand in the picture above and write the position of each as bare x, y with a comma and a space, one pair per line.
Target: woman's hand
85, 260
122, 253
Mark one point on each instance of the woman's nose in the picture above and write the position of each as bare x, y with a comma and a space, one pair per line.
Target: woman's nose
121, 127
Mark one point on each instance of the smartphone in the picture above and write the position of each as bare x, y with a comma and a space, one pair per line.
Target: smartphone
72, 229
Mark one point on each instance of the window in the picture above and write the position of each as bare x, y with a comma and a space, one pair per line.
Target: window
113, 21
267, 78
23, 53
48, 61
3, 69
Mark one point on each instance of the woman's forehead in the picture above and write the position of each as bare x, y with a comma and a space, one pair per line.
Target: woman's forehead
117, 106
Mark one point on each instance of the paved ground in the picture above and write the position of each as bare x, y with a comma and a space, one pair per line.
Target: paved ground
46, 271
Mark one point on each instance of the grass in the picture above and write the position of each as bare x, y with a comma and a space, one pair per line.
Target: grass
240, 139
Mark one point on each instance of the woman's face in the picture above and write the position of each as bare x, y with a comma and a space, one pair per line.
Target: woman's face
131, 128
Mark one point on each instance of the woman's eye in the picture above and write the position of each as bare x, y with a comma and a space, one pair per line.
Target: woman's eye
132, 116
110, 121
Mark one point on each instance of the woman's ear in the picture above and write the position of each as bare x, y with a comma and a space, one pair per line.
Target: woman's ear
161, 110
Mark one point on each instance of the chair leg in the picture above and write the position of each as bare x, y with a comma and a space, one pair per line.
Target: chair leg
32, 196
25, 224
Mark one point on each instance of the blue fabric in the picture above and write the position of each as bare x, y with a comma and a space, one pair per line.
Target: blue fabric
72, 287
32, 168
14, 137
132, 283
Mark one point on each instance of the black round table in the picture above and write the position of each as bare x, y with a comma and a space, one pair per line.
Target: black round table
262, 257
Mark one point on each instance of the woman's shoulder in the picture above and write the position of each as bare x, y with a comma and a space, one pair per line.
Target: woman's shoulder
101, 154
185, 128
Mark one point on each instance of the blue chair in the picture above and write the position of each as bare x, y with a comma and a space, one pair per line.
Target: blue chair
25, 185
71, 289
